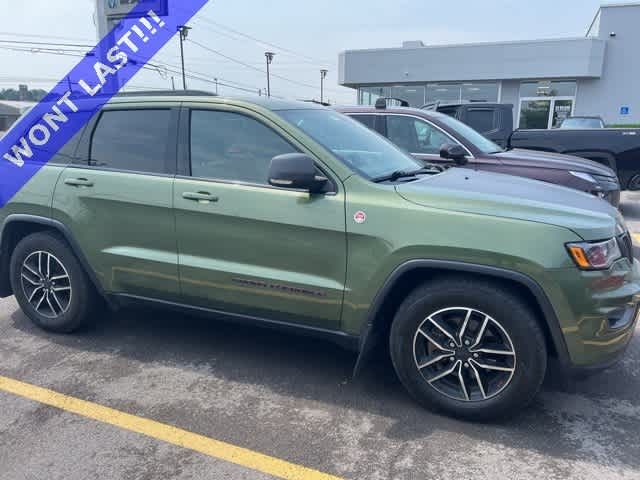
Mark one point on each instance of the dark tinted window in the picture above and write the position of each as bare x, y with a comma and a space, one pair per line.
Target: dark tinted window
451, 111
367, 120
66, 154
481, 120
414, 135
231, 146
135, 140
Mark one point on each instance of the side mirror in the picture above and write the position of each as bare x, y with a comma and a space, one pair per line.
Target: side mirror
296, 171
455, 152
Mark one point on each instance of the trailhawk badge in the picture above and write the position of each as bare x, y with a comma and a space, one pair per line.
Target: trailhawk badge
360, 217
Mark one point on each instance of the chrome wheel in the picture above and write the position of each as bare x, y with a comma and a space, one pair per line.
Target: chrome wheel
46, 284
464, 354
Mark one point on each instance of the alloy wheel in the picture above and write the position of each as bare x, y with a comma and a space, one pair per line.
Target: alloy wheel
464, 354
46, 284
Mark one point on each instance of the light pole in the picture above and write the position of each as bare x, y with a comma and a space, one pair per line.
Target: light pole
323, 75
269, 56
184, 33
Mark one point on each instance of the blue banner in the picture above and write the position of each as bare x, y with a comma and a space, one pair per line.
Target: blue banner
67, 108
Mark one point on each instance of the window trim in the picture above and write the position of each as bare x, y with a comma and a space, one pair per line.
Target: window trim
184, 169
86, 143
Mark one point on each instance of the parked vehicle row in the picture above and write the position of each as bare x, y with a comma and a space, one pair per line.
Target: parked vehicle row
423, 133
585, 137
290, 215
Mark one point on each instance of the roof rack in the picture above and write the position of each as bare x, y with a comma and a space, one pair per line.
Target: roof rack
381, 103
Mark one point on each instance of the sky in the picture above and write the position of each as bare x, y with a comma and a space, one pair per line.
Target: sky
306, 37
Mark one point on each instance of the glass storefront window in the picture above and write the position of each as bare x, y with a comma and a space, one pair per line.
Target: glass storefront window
369, 95
479, 92
534, 114
548, 89
418, 95
443, 93
412, 94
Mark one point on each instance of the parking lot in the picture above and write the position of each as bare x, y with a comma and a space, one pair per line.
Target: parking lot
250, 403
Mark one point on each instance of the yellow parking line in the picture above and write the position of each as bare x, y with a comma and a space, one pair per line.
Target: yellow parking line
636, 237
160, 431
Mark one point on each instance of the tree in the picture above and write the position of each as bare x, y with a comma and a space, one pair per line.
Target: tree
31, 95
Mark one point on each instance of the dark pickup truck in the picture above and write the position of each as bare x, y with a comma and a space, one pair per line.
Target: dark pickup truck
617, 148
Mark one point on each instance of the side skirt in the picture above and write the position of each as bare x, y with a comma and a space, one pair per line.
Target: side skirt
349, 342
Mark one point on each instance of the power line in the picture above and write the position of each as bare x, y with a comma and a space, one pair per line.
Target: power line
148, 66
24, 42
262, 42
33, 35
247, 65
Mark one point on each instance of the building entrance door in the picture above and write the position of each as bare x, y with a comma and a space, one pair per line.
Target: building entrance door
544, 113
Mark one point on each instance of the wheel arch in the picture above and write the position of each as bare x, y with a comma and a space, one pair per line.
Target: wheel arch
17, 226
405, 277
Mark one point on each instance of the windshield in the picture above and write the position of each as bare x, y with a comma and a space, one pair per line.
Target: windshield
361, 149
469, 134
577, 123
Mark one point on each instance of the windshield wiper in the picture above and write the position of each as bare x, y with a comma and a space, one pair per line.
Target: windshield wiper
398, 174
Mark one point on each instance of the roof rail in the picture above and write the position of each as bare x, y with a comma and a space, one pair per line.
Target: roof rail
167, 93
317, 102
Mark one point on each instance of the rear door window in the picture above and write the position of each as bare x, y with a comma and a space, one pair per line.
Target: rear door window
133, 140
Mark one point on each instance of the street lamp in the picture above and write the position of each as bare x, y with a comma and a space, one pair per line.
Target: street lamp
184, 33
269, 56
323, 75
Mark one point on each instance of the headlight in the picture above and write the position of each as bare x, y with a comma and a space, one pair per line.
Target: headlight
584, 176
595, 256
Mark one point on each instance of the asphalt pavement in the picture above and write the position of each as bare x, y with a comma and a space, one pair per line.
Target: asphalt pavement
287, 397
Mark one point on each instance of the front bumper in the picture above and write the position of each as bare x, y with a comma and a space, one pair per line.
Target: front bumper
598, 313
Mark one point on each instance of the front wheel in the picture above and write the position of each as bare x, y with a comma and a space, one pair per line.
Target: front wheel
468, 348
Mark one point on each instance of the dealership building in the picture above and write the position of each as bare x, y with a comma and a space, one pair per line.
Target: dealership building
545, 80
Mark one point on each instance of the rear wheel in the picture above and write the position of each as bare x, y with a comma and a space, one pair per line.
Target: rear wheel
468, 348
49, 283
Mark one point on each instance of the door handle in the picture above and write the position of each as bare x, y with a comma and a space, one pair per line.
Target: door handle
203, 197
78, 182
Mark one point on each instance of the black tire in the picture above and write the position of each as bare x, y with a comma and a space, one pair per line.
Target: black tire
514, 318
82, 298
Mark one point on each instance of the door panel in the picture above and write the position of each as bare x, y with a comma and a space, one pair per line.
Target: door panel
248, 248
124, 224
117, 200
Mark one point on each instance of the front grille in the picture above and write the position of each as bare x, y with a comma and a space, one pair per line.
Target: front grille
626, 246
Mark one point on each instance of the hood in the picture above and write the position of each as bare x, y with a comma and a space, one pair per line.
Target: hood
498, 195
536, 158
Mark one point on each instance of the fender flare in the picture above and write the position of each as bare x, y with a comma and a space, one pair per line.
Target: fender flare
370, 329
68, 236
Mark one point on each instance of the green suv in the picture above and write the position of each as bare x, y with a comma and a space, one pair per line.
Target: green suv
294, 216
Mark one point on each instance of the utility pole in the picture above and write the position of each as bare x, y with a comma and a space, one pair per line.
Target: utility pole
173, 83
269, 56
184, 33
216, 80
323, 75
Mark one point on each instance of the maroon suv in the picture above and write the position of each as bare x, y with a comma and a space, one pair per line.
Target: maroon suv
437, 138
